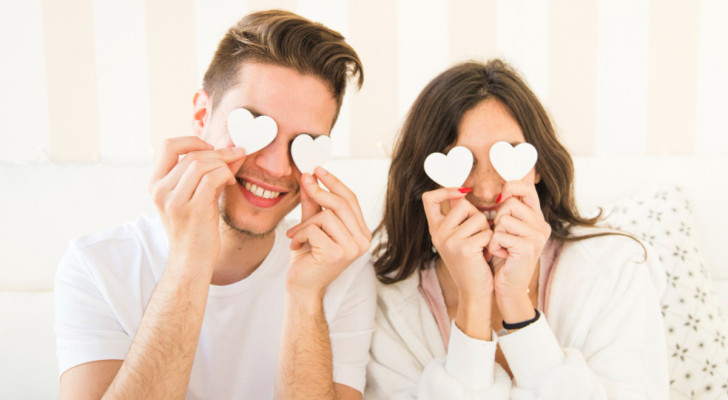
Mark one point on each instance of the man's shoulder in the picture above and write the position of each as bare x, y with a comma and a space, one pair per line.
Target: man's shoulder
117, 248
143, 230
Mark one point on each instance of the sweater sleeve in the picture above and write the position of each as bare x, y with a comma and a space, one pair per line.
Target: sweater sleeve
622, 354
468, 371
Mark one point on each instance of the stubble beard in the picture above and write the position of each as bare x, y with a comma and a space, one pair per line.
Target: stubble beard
241, 231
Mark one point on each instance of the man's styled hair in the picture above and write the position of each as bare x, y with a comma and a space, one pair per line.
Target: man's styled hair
286, 39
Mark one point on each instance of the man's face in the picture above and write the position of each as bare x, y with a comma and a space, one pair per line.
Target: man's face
268, 182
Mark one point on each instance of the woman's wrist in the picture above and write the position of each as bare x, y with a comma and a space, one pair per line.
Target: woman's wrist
473, 317
516, 309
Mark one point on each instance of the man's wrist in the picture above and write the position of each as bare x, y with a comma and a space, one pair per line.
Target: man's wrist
307, 300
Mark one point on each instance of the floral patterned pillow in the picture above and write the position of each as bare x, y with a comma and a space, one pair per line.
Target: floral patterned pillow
695, 327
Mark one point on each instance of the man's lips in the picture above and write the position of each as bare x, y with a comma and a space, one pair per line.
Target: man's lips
260, 194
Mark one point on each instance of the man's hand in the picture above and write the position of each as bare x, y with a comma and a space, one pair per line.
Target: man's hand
331, 235
186, 184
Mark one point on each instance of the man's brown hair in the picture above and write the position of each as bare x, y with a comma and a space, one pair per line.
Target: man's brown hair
286, 39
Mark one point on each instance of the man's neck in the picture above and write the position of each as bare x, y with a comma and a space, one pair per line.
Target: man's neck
240, 255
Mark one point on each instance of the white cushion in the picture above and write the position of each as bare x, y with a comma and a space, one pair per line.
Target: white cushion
696, 328
28, 369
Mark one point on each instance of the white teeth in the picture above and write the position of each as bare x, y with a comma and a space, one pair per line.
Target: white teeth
260, 192
489, 214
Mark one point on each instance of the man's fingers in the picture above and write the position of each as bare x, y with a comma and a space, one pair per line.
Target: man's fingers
309, 207
229, 155
335, 203
335, 185
332, 226
192, 176
171, 150
314, 236
212, 183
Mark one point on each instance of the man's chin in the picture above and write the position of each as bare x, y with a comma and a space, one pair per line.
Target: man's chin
246, 231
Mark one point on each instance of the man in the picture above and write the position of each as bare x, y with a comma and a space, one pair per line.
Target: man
216, 299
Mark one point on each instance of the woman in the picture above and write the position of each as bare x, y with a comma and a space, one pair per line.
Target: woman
501, 289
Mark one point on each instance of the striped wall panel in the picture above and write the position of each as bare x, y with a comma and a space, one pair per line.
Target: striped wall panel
96, 81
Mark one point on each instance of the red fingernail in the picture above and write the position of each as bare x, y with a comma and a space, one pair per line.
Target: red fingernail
499, 198
465, 190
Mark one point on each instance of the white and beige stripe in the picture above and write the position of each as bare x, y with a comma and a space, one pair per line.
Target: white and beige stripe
101, 81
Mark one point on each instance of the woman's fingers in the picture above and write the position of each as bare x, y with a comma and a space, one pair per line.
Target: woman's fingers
431, 202
524, 191
474, 224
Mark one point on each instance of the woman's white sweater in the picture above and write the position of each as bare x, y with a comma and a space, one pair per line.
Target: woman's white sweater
600, 336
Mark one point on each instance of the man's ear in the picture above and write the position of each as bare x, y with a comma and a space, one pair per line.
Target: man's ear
202, 104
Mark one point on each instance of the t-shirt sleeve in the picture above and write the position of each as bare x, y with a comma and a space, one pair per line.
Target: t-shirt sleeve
352, 326
86, 327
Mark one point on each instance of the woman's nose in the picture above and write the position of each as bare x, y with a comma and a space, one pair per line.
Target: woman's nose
486, 184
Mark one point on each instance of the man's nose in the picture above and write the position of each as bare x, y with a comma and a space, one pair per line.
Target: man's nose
275, 158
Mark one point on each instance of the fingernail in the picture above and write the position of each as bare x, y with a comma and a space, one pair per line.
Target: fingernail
499, 198
320, 171
307, 178
465, 190
238, 150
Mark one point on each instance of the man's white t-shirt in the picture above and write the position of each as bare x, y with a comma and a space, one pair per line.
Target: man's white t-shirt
105, 281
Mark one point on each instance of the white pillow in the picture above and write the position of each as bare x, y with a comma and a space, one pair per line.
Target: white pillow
695, 327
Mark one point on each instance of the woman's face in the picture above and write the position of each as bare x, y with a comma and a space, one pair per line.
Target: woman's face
482, 126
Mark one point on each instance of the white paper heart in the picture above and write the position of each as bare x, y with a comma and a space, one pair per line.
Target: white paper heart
250, 133
308, 153
451, 170
513, 163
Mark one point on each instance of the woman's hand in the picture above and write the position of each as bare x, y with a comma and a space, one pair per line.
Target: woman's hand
520, 234
460, 238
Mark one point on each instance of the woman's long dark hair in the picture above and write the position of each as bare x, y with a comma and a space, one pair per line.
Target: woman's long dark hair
432, 126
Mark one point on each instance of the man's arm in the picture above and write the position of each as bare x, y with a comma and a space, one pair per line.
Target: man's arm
306, 365
325, 243
159, 361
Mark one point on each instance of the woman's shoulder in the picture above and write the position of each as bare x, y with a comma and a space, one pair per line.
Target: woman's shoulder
603, 246
614, 257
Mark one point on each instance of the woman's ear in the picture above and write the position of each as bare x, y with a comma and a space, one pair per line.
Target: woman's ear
202, 104
538, 178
